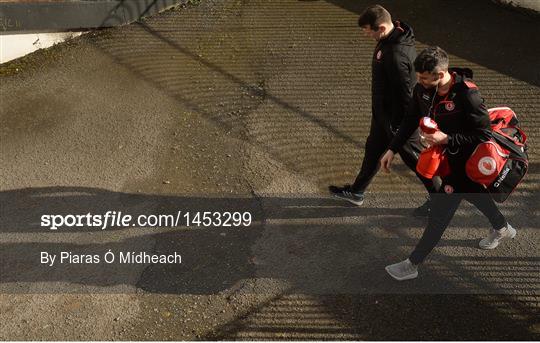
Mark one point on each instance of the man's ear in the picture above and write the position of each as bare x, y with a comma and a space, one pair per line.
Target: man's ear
440, 74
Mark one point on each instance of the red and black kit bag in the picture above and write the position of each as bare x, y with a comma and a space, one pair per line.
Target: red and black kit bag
502, 162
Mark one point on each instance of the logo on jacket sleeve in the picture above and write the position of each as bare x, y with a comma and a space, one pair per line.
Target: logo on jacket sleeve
449, 106
379, 54
487, 165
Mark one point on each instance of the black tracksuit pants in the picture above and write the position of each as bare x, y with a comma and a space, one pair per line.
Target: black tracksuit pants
376, 145
443, 207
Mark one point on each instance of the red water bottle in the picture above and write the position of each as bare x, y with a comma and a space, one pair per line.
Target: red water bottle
428, 125
432, 160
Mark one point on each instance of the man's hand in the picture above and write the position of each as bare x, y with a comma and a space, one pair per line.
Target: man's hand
436, 138
386, 160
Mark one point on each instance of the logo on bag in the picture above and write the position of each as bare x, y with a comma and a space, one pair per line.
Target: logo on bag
502, 177
450, 106
379, 54
487, 165
448, 189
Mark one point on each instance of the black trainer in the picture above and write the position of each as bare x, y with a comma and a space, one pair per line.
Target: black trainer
346, 193
422, 211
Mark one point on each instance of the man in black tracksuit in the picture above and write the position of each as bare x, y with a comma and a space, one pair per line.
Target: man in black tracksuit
450, 98
393, 79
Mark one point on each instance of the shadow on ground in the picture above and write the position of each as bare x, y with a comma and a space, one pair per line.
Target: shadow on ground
318, 245
494, 34
388, 317
332, 269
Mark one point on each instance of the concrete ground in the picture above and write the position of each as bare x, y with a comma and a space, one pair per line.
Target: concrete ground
252, 106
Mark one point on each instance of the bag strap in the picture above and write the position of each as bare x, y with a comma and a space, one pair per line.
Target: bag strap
509, 144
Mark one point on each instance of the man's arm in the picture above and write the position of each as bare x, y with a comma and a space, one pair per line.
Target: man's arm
408, 125
478, 123
399, 72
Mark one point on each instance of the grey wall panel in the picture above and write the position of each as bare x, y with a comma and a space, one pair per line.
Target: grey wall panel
75, 15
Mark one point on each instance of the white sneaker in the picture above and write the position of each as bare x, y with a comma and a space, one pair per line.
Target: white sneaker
403, 270
495, 236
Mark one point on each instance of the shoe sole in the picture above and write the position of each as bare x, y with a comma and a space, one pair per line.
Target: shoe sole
408, 277
491, 247
357, 203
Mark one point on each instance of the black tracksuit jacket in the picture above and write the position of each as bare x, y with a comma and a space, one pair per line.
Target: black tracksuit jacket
393, 76
461, 114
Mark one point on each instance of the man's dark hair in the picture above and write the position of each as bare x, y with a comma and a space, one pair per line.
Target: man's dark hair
432, 59
374, 16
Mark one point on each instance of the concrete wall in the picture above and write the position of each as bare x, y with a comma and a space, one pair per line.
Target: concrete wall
53, 16
15, 46
29, 25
